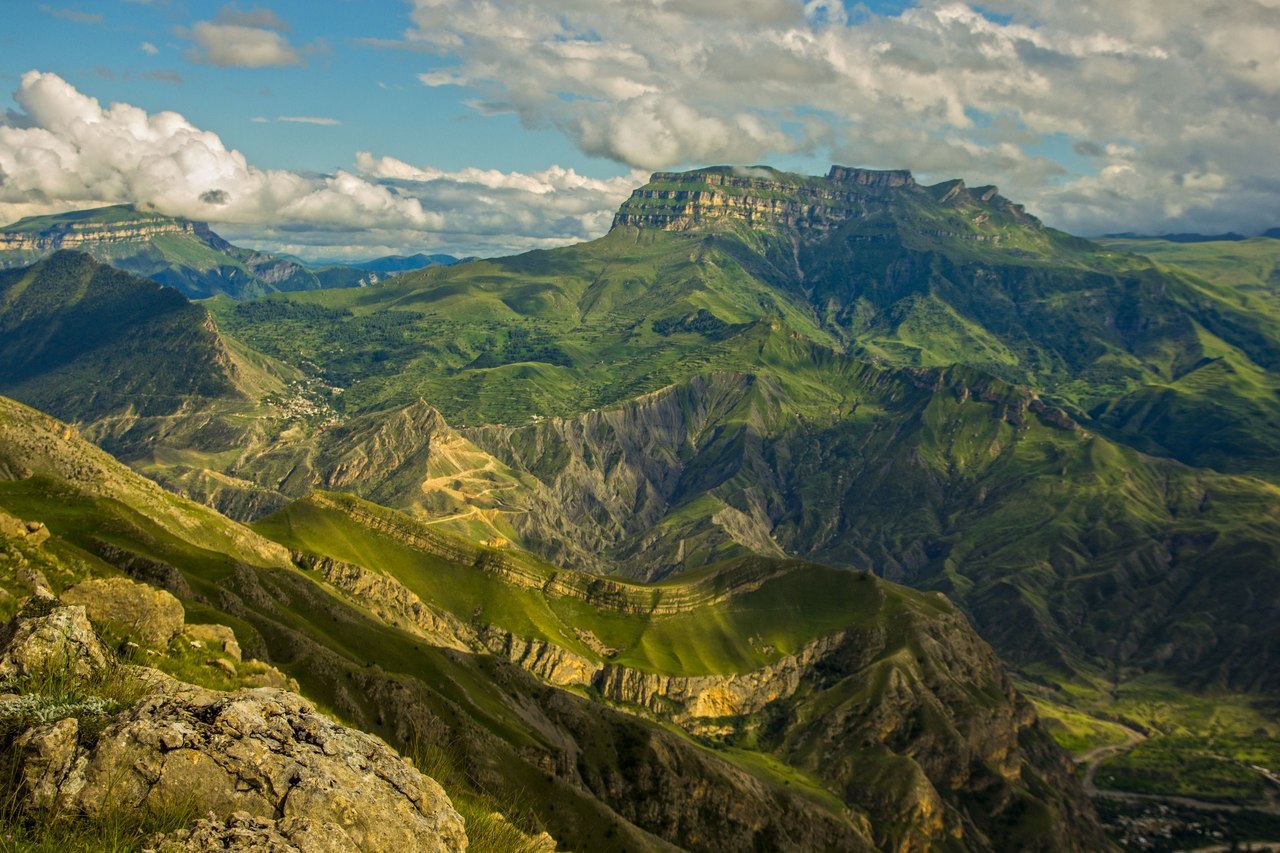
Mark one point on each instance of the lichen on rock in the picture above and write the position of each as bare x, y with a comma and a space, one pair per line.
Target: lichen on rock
271, 772
46, 635
147, 615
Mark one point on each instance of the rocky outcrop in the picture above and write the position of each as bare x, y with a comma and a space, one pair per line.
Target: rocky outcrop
46, 635
263, 764
218, 638
700, 702
245, 832
144, 614
31, 533
544, 659
265, 752
77, 235
807, 206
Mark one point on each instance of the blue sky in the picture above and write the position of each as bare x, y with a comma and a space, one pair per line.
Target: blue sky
487, 126
373, 92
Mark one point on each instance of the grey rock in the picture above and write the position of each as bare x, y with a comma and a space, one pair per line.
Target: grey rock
250, 834
269, 754
45, 636
48, 754
216, 637
148, 615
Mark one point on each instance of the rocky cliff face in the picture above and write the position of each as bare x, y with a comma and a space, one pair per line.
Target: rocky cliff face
79, 235
613, 475
915, 697
811, 207
182, 254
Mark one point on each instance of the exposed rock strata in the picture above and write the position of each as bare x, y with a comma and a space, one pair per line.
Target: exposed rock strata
679, 201
942, 719
78, 235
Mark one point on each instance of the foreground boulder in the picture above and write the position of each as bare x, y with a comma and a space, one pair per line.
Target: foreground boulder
242, 831
45, 635
262, 763
145, 614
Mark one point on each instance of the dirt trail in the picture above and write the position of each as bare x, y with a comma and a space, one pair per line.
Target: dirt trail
1093, 760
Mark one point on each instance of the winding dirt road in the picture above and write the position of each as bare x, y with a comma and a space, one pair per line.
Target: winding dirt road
1093, 759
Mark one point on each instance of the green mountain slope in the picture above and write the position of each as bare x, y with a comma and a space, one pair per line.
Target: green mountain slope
700, 712
184, 255
1077, 444
929, 476
545, 333
866, 263
776, 441
1064, 547
404, 263
87, 341
1251, 266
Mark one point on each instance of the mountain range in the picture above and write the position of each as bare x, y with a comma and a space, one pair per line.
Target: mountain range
185, 255
624, 468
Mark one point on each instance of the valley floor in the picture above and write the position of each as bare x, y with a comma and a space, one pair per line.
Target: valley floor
1170, 770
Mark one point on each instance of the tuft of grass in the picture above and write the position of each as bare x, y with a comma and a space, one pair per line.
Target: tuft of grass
57, 692
117, 831
495, 824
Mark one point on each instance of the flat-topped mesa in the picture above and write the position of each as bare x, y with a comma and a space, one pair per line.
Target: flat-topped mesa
679, 201
764, 197
118, 224
878, 178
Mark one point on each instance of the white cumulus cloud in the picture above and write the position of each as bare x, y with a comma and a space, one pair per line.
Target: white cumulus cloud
228, 45
65, 151
235, 38
1001, 90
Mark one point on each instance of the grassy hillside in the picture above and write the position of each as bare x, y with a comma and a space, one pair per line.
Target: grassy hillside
913, 276
1066, 548
539, 334
180, 254
497, 732
1247, 265
86, 340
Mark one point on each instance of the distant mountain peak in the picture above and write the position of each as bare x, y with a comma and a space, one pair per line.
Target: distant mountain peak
118, 223
887, 178
760, 196
181, 253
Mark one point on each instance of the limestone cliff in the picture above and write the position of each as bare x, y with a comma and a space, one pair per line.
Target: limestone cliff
173, 251
79, 235
762, 197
